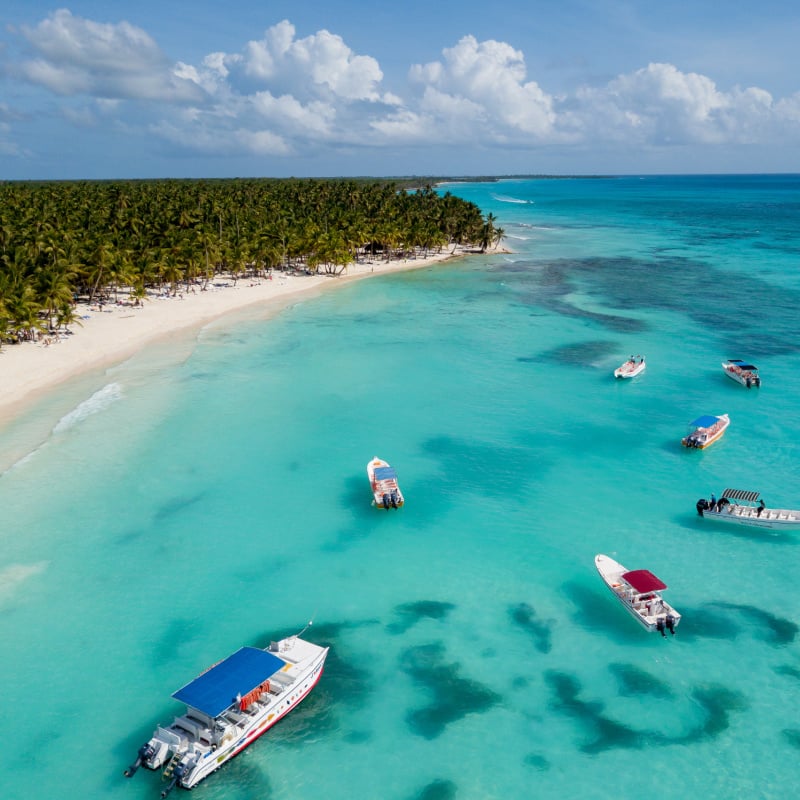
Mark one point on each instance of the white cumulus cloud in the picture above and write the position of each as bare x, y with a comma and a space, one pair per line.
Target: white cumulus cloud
78, 56
489, 79
282, 94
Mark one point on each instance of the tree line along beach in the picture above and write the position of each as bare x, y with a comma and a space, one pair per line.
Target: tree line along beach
89, 263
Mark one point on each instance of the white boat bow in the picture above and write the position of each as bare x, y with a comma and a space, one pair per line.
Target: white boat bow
639, 592
228, 707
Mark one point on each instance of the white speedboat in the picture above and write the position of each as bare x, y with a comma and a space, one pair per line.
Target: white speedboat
706, 431
639, 591
383, 480
743, 507
634, 366
742, 372
228, 707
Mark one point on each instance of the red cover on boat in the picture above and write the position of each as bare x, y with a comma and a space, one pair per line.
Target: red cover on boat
643, 580
250, 698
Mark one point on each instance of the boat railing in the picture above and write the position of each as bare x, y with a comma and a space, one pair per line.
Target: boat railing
169, 736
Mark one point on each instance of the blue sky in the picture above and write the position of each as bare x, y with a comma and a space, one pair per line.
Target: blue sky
108, 89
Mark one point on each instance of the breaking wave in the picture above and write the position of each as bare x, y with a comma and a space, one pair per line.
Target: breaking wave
99, 401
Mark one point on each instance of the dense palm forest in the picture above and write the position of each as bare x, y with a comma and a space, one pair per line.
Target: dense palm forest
65, 242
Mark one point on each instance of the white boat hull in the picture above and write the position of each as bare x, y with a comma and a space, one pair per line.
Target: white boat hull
772, 518
701, 438
651, 613
212, 761
629, 370
746, 379
385, 493
195, 745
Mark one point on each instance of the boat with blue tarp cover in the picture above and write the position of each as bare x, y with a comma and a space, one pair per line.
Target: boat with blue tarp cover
228, 707
742, 372
706, 430
383, 480
743, 507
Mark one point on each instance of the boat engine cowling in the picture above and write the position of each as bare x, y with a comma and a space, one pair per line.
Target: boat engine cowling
701, 506
146, 752
180, 771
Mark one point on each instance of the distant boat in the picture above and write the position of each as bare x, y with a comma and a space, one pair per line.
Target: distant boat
743, 507
639, 591
742, 372
706, 431
634, 366
383, 480
228, 707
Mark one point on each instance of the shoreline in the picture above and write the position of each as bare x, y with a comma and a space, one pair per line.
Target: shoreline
112, 334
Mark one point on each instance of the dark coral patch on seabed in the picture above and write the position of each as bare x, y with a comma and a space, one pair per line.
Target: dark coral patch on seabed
437, 790
540, 630
605, 733
635, 681
792, 736
453, 697
411, 613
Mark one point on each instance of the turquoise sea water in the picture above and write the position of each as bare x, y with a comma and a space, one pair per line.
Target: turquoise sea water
212, 493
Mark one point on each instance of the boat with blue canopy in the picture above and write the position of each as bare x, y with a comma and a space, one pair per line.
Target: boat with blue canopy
228, 707
742, 372
706, 430
385, 488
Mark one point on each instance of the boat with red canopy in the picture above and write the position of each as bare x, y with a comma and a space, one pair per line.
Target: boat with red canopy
639, 591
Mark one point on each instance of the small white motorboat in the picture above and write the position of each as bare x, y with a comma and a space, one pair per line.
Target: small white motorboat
706, 430
742, 372
228, 707
743, 507
639, 591
634, 366
383, 480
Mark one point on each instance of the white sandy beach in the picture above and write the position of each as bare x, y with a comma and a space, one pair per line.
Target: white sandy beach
117, 332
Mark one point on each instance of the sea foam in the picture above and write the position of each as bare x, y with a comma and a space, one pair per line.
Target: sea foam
99, 401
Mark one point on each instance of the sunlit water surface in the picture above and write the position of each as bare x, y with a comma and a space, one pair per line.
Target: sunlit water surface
212, 493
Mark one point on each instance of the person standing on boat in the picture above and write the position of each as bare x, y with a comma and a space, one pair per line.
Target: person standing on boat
761, 506
713, 501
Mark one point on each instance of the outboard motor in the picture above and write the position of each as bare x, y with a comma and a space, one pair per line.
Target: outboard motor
701, 505
146, 751
660, 626
758, 381
749, 383
671, 624
394, 499
179, 772
386, 501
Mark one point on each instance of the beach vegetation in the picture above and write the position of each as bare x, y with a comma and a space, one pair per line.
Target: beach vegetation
124, 241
